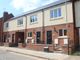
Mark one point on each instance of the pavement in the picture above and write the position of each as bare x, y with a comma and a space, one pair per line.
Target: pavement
73, 58
6, 55
45, 55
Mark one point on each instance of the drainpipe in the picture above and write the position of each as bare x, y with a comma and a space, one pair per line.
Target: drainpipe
25, 35
74, 20
66, 23
43, 28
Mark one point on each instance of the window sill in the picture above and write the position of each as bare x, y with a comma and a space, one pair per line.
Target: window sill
57, 18
44, 44
33, 23
63, 37
19, 25
29, 37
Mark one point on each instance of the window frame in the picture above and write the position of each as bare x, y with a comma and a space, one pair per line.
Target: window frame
7, 25
29, 34
58, 15
20, 22
63, 33
33, 19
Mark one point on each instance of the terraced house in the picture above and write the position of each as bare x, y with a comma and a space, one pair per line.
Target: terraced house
3, 19
52, 26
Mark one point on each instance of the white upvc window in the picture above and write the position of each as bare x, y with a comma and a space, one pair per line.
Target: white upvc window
7, 25
20, 22
33, 19
55, 13
29, 34
63, 32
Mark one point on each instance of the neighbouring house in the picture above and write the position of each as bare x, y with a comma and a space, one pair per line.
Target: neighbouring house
77, 16
3, 19
52, 26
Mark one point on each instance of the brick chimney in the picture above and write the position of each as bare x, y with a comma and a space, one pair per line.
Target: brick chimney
7, 16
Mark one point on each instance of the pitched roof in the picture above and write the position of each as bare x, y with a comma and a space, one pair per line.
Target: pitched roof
41, 8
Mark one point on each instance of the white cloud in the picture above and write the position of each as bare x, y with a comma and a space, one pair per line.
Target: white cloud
27, 5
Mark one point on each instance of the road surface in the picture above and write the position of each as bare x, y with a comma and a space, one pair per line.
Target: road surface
6, 55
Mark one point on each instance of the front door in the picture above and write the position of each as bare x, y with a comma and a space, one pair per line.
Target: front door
38, 37
49, 37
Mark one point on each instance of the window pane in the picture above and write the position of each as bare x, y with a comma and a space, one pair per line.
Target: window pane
55, 13
59, 12
65, 32
7, 25
51, 14
20, 22
33, 19
60, 32
30, 34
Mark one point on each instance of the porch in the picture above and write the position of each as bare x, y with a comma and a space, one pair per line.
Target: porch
12, 39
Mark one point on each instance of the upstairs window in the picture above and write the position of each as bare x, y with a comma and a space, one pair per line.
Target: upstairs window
20, 22
55, 13
62, 32
7, 25
33, 19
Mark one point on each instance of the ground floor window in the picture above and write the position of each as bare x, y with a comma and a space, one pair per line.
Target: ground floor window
29, 34
62, 32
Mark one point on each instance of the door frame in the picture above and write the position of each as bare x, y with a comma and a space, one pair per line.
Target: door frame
37, 36
47, 36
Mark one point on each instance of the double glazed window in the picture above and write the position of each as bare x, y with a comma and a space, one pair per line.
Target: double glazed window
29, 34
20, 22
55, 13
62, 32
33, 19
7, 25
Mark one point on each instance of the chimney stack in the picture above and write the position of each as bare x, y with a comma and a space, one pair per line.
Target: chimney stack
7, 16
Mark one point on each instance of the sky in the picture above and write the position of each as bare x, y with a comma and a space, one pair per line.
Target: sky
17, 7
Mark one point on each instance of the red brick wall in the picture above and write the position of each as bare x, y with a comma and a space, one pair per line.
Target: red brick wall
1, 30
55, 35
73, 39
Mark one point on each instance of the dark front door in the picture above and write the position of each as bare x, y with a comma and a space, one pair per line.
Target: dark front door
12, 38
49, 37
38, 37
